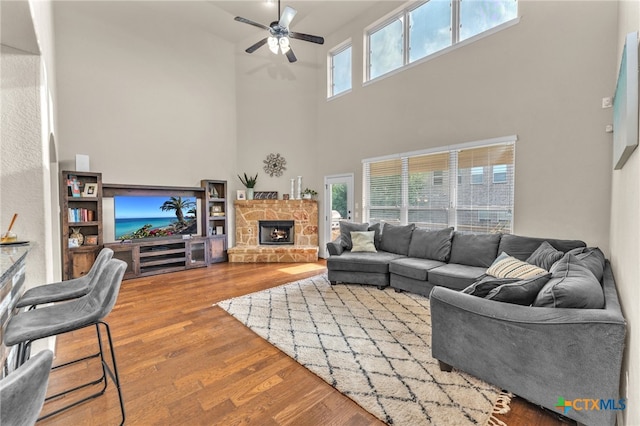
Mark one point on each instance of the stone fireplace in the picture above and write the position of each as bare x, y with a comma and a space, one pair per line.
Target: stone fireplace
275, 231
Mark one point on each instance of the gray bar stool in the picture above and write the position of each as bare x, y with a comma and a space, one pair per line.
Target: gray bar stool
22, 391
88, 310
66, 290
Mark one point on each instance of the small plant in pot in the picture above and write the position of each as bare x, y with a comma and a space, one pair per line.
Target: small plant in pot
308, 194
249, 182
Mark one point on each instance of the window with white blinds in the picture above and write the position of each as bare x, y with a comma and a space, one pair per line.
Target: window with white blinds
469, 187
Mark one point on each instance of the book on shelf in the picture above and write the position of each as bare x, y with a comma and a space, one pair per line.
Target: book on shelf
81, 215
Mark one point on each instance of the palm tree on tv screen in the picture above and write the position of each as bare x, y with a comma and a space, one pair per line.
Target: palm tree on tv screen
177, 204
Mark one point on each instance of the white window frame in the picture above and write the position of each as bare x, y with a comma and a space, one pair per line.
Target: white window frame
477, 171
499, 173
453, 170
404, 11
330, 55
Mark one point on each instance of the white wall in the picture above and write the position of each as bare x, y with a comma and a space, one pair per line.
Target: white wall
625, 239
542, 79
28, 119
148, 96
277, 113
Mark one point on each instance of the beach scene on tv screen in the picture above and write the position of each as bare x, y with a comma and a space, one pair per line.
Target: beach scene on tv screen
154, 216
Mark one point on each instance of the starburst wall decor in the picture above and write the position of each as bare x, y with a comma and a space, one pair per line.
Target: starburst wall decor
274, 165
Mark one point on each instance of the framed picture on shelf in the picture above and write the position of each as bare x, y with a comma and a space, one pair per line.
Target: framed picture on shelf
241, 194
90, 190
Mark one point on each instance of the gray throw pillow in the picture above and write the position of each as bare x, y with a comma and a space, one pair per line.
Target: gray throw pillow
572, 285
592, 258
396, 238
521, 292
474, 249
545, 256
434, 245
378, 234
346, 228
484, 284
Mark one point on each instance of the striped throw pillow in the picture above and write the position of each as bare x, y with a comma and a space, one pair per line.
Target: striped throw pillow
506, 266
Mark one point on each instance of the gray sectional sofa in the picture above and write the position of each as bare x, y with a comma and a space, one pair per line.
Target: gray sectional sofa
564, 340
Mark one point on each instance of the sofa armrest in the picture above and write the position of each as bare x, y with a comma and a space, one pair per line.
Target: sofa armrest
335, 247
540, 354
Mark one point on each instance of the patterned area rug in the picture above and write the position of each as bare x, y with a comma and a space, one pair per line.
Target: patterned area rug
373, 346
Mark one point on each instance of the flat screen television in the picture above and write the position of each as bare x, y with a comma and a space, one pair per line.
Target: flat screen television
146, 216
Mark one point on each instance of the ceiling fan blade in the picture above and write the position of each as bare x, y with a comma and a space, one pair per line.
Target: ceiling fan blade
250, 22
307, 37
291, 56
287, 16
256, 46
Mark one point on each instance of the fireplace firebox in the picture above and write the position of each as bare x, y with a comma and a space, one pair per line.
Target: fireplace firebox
276, 232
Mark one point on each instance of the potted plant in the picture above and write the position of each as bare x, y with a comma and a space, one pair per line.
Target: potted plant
249, 182
308, 194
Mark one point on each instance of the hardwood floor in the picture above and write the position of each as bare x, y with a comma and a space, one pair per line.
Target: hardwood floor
183, 361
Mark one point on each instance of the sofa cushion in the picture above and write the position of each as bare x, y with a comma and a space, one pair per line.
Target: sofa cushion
345, 232
522, 247
362, 261
484, 284
363, 241
545, 256
376, 227
592, 258
455, 276
474, 249
396, 238
506, 266
521, 292
572, 285
412, 267
435, 245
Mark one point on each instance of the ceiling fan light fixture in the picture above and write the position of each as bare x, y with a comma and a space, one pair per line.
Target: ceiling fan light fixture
272, 42
284, 44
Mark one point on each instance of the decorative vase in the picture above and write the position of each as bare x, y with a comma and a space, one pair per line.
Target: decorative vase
77, 235
299, 193
249, 193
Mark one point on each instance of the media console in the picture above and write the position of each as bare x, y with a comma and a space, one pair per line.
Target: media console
154, 257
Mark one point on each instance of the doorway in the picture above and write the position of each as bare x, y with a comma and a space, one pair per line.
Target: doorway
338, 201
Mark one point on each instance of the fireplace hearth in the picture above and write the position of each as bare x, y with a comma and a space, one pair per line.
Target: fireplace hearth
276, 232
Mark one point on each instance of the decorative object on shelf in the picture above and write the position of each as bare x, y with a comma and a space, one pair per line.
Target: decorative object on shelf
285, 196
308, 194
90, 190
10, 237
265, 195
299, 193
241, 194
293, 188
214, 192
73, 185
77, 235
274, 165
219, 230
73, 243
91, 240
249, 182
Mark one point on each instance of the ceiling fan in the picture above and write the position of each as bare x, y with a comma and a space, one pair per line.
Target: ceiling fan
279, 34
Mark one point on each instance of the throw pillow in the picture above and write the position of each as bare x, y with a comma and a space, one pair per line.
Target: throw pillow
396, 238
484, 284
545, 256
521, 292
345, 232
363, 241
592, 258
434, 245
506, 266
474, 249
377, 237
572, 285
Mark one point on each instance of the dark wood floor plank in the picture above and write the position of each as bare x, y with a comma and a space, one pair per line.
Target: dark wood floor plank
183, 360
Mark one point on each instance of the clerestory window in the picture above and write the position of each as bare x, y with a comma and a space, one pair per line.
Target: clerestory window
339, 75
422, 29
